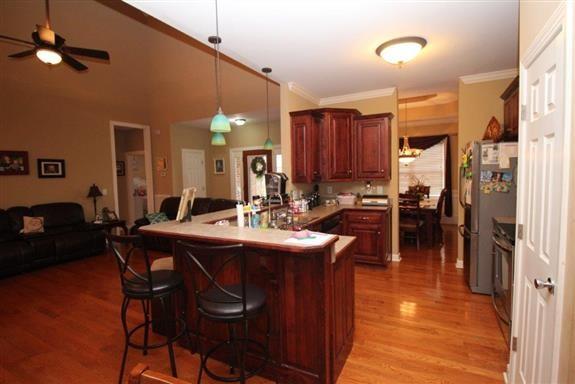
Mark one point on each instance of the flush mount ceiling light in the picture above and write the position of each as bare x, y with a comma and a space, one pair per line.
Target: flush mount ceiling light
400, 51
240, 122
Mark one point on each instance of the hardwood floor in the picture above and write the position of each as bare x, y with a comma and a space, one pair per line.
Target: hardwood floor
416, 322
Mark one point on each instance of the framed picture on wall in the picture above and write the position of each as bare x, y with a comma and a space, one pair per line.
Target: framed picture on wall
51, 168
120, 168
14, 163
219, 166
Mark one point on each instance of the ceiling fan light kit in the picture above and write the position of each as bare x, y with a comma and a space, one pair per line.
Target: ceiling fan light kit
400, 51
48, 56
50, 48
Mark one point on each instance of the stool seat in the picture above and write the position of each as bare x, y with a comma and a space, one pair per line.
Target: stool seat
163, 263
214, 302
163, 282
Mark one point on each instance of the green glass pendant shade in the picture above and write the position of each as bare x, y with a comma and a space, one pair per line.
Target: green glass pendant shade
269, 144
220, 123
218, 139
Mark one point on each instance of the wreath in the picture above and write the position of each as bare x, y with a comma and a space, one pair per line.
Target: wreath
258, 166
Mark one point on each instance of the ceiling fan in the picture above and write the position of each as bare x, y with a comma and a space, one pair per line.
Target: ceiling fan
51, 48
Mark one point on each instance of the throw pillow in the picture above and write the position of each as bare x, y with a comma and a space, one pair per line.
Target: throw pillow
158, 217
33, 224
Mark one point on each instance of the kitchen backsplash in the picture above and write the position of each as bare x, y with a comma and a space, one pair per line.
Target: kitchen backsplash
330, 190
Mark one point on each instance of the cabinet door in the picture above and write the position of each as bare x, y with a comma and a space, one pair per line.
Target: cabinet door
301, 127
372, 149
513, 125
340, 146
368, 246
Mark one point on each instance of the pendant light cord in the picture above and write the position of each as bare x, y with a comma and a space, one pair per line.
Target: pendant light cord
268, 103
217, 61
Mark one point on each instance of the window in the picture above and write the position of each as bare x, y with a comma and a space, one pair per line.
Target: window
429, 167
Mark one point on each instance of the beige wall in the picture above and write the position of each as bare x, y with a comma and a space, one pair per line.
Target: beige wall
478, 102
532, 17
249, 135
152, 79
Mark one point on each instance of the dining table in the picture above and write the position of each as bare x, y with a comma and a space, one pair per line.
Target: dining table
427, 208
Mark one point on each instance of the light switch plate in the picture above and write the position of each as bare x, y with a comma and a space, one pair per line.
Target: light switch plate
329, 189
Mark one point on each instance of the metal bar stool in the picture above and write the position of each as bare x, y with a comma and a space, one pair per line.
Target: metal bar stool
145, 285
233, 304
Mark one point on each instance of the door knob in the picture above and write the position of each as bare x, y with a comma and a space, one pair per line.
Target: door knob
541, 284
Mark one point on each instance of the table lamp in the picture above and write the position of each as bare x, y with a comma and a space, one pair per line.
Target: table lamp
94, 193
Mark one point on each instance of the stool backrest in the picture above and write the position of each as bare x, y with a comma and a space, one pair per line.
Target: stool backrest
223, 260
125, 248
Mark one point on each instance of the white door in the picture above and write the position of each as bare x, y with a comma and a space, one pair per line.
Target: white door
541, 198
136, 186
194, 170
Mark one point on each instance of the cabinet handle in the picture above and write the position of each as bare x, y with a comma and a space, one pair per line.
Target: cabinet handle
365, 218
378, 233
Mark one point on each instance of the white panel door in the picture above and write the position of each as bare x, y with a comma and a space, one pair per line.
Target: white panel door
194, 170
542, 163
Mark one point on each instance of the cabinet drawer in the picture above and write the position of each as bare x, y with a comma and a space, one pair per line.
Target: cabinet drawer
364, 217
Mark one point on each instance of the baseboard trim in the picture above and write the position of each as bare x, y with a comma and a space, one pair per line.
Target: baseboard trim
459, 264
396, 257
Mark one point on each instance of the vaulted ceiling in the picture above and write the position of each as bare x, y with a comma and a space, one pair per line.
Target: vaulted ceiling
327, 46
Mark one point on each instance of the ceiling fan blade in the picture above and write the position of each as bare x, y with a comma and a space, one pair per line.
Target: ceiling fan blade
95, 53
36, 38
23, 54
16, 40
73, 62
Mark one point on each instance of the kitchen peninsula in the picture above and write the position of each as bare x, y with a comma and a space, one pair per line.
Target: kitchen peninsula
310, 288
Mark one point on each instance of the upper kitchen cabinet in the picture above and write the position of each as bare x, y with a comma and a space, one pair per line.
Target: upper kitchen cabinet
373, 146
339, 134
305, 146
511, 111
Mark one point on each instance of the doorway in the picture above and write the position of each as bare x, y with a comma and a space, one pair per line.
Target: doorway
194, 170
133, 186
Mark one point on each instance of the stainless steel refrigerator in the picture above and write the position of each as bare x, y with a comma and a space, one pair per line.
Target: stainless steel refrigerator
487, 188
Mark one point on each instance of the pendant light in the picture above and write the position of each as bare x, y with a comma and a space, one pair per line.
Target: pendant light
220, 123
407, 154
268, 144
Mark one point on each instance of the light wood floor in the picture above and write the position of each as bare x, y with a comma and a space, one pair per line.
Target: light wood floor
416, 322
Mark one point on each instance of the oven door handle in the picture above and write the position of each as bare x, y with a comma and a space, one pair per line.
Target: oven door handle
500, 245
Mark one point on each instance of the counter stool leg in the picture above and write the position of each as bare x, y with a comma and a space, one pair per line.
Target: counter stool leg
243, 353
145, 308
165, 320
125, 304
199, 347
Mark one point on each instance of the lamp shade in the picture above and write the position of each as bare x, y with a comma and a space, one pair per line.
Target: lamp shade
220, 123
269, 144
94, 191
218, 139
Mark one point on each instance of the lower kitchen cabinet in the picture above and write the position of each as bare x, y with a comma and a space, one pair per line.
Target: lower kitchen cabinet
372, 230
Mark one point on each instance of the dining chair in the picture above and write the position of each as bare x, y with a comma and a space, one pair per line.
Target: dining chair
410, 221
437, 229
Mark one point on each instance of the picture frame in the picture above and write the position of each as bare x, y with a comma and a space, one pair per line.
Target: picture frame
219, 166
14, 163
51, 168
120, 168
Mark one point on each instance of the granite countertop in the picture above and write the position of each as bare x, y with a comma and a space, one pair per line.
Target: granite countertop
201, 227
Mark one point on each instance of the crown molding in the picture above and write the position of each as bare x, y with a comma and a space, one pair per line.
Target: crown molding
301, 91
489, 76
357, 96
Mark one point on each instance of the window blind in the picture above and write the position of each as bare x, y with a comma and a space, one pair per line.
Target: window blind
429, 167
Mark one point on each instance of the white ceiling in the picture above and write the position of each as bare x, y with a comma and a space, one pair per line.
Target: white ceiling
327, 46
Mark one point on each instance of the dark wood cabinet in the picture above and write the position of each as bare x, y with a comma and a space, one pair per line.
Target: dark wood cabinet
371, 228
511, 111
305, 143
336, 144
339, 131
373, 147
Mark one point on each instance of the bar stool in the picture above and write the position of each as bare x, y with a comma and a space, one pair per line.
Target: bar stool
232, 304
145, 285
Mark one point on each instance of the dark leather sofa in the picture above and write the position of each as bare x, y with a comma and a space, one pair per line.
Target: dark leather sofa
66, 236
170, 207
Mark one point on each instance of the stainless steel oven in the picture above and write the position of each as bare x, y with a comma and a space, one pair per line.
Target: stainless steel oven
503, 264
